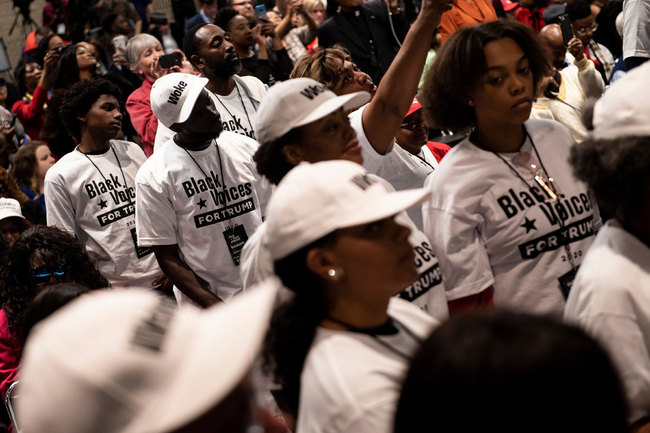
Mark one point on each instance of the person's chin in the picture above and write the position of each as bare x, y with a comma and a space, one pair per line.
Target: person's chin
235, 67
353, 153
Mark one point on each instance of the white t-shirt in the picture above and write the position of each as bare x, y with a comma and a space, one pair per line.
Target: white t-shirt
238, 109
397, 166
192, 198
636, 31
427, 292
97, 204
488, 227
351, 381
611, 299
233, 116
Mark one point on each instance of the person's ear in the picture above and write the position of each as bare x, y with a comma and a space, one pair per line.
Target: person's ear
292, 153
197, 61
321, 261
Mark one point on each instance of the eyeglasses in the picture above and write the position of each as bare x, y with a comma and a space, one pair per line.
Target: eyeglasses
42, 274
584, 29
527, 162
30, 69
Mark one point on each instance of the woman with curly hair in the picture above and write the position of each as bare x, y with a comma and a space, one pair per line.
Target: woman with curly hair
40, 257
506, 218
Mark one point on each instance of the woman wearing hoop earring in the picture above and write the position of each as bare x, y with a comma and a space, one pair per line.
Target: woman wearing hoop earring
507, 219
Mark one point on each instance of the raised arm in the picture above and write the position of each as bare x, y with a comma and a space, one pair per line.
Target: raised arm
382, 117
590, 79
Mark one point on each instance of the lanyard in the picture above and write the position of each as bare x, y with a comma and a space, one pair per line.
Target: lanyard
549, 189
250, 124
223, 179
126, 186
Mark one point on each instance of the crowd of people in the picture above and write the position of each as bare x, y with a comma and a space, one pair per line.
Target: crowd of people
342, 216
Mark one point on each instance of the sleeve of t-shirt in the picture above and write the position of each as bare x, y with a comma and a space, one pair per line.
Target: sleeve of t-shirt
155, 217
60, 212
457, 243
372, 160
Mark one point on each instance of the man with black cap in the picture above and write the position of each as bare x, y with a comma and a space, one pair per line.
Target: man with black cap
199, 197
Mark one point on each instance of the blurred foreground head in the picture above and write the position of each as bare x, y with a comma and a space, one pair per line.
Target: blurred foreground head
131, 361
509, 372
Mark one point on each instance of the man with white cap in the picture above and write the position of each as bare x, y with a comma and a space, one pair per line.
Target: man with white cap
302, 120
158, 369
12, 221
199, 197
610, 296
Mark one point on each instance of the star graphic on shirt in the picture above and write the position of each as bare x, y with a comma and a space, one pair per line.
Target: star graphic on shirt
201, 204
529, 225
102, 204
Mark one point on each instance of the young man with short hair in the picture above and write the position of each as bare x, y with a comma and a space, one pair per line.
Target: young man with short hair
91, 191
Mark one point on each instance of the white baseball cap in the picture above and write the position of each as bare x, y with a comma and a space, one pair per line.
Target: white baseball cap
10, 208
132, 362
313, 200
297, 102
624, 109
173, 97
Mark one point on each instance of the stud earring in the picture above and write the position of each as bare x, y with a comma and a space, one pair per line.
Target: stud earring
335, 274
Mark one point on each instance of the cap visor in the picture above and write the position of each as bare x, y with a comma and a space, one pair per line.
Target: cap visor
347, 102
192, 96
377, 208
223, 348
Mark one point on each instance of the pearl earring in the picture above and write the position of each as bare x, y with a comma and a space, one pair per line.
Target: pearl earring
335, 274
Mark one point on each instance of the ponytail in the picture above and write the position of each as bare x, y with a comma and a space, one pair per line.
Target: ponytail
293, 325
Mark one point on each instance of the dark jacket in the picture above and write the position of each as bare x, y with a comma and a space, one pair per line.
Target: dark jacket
341, 29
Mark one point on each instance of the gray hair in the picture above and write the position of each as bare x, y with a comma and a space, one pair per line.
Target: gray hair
136, 46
